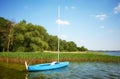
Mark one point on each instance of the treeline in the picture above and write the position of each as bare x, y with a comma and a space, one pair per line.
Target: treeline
26, 37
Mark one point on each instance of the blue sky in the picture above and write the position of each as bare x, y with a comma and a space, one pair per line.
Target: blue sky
94, 24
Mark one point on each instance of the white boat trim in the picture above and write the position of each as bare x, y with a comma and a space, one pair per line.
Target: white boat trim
26, 65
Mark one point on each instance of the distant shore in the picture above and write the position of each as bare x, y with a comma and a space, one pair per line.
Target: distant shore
104, 50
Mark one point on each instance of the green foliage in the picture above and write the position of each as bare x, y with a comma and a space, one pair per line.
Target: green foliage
49, 57
26, 37
6, 33
31, 37
52, 42
82, 48
71, 46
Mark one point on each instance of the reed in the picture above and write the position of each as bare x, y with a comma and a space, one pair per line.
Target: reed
14, 66
40, 57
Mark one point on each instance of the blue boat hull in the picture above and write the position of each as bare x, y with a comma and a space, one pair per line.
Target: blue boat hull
47, 66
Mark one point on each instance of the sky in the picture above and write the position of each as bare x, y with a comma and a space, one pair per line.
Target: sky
94, 24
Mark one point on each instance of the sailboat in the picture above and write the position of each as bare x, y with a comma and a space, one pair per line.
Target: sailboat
49, 66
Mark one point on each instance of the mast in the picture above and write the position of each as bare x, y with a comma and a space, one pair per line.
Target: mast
58, 33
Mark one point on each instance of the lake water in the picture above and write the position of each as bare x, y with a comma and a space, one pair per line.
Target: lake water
113, 53
84, 70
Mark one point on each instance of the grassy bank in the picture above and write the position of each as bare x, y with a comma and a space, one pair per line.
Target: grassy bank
15, 60
32, 57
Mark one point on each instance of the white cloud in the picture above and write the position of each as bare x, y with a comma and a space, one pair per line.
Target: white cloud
73, 7
63, 37
62, 22
70, 8
101, 16
117, 9
102, 27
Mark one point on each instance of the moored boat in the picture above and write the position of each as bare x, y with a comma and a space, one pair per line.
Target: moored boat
53, 65
46, 66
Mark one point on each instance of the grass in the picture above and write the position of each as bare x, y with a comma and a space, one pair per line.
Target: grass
15, 60
32, 57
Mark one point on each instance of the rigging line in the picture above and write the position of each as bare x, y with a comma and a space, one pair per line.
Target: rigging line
58, 32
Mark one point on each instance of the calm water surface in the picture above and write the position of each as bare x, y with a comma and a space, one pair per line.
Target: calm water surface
73, 71
113, 53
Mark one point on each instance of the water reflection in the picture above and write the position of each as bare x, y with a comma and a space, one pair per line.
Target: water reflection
11, 73
80, 71
83, 70
56, 73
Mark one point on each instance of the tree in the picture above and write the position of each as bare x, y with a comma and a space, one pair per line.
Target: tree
6, 31
71, 46
29, 37
82, 48
53, 43
25, 36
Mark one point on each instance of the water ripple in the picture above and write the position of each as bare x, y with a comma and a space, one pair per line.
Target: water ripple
83, 71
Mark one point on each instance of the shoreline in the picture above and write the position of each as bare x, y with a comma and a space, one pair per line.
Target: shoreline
43, 57
16, 60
